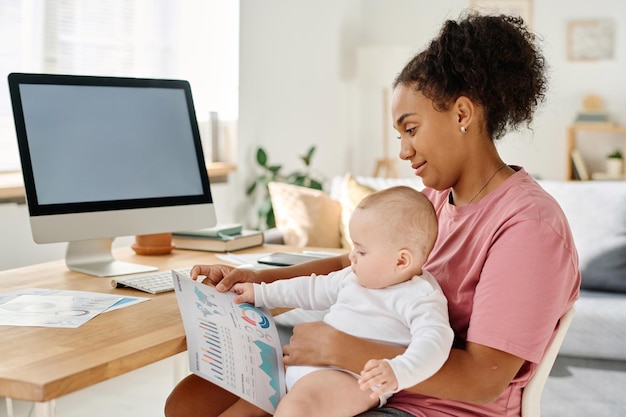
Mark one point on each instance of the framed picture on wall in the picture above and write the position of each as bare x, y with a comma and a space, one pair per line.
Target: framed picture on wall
521, 8
590, 40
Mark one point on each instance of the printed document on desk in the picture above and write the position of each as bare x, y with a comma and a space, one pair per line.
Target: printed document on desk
53, 308
235, 346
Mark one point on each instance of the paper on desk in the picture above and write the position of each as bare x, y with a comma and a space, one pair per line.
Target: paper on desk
241, 258
57, 308
53, 310
252, 258
235, 346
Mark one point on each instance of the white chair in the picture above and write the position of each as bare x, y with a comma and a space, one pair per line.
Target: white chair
531, 396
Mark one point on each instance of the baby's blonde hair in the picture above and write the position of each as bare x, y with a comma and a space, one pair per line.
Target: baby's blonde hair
407, 216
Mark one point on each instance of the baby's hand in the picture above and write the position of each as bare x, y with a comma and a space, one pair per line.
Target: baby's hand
377, 375
245, 291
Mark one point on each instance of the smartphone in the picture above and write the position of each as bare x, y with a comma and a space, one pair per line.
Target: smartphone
286, 259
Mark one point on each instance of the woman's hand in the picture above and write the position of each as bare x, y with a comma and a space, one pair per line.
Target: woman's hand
318, 344
223, 277
310, 344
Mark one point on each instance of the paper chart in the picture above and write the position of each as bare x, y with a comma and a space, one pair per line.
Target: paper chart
53, 310
235, 346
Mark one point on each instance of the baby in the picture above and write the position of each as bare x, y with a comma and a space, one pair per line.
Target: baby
384, 295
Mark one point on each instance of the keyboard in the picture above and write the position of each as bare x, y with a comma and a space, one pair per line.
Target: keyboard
153, 283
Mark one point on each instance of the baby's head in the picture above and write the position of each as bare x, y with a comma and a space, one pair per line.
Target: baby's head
393, 232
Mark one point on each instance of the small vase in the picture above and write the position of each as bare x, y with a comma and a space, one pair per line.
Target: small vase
155, 244
615, 167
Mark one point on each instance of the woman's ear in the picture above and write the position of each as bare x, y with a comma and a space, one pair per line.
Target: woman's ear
464, 111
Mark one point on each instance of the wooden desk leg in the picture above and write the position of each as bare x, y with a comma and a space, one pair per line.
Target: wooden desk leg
181, 366
45, 409
9, 402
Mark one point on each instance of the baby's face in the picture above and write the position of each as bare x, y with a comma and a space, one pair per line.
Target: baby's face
373, 257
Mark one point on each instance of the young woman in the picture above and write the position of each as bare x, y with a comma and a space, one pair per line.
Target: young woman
504, 257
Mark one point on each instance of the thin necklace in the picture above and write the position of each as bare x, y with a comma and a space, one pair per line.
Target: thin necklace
487, 183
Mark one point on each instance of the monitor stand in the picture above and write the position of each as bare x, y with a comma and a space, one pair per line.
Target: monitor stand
94, 257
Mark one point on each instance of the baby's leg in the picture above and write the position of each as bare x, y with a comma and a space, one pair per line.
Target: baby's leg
242, 408
326, 392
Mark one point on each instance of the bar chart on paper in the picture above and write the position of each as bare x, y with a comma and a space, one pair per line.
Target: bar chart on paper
235, 346
212, 346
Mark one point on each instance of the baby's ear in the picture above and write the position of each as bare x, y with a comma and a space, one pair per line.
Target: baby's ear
404, 260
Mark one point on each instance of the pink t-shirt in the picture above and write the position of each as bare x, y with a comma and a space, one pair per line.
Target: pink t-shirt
509, 268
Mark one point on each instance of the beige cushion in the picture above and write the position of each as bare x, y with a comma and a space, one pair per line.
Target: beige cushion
305, 217
352, 192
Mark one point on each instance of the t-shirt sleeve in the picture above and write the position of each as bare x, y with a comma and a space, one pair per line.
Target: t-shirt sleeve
518, 302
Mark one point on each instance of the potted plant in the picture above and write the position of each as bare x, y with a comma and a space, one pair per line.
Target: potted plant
615, 164
272, 173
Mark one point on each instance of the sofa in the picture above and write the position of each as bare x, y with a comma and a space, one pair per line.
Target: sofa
596, 211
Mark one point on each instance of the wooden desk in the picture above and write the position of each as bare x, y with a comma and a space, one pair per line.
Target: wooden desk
41, 364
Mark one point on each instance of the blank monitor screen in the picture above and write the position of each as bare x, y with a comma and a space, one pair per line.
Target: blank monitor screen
118, 146
104, 157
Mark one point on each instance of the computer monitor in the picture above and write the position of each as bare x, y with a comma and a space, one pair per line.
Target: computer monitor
104, 157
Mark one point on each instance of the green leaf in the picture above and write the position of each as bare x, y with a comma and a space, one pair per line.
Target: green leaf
251, 188
316, 185
266, 213
263, 181
264, 208
272, 173
617, 154
306, 158
275, 169
261, 157
270, 220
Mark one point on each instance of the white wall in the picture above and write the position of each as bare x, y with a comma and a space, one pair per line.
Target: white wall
298, 80
17, 247
299, 85
292, 92
16, 244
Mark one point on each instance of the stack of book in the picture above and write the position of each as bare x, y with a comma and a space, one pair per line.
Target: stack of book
221, 238
592, 117
593, 111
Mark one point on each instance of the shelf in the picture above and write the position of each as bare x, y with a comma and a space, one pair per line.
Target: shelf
601, 128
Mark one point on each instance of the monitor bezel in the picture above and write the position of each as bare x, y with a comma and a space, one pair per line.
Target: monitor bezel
30, 186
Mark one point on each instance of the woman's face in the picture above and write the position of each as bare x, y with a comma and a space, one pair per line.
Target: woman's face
429, 139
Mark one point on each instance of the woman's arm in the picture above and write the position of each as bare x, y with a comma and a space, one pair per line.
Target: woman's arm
476, 374
322, 266
224, 277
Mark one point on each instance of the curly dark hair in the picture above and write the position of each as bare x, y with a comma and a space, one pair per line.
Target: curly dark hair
493, 60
